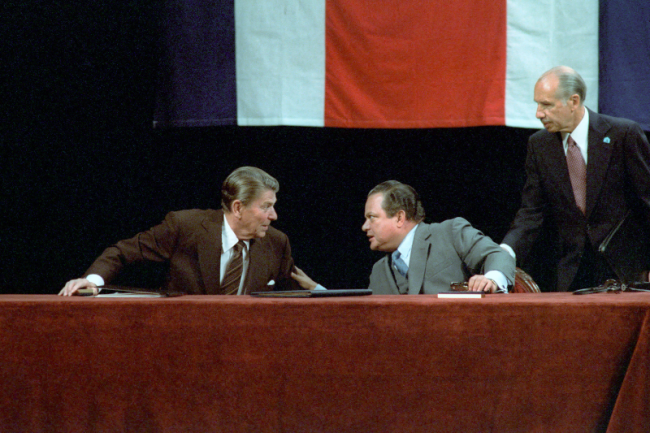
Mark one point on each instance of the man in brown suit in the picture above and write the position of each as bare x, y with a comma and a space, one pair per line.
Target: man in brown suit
208, 251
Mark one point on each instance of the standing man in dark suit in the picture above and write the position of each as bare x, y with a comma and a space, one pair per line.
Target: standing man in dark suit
585, 172
208, 251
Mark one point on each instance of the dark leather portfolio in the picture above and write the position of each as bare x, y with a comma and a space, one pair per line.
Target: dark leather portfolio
112, 290
313, 293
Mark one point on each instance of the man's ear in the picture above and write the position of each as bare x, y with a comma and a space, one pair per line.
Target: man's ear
401, 218
575, 101
236, 208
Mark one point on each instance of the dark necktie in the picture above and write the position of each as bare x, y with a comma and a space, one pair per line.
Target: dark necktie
578, 174
399, 264
230, 283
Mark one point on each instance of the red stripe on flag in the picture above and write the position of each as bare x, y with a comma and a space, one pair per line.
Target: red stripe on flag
415, 64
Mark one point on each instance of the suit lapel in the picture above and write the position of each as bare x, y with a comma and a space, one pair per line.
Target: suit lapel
388, 275
209, 253
600, 151
419, 257
254, 279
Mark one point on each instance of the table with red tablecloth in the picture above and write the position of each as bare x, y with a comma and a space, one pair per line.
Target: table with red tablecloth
545, 362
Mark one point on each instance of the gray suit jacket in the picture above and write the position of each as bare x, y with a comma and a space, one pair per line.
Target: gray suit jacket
451, 251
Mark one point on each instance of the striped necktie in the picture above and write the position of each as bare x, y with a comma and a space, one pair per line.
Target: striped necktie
232, 278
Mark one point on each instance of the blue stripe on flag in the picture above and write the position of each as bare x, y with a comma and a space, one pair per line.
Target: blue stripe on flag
625, 60
198, 85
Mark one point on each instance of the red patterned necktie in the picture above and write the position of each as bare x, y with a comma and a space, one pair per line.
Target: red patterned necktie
578, 174
230, 283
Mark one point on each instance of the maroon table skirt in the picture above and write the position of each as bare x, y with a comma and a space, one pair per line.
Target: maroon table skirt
546, 362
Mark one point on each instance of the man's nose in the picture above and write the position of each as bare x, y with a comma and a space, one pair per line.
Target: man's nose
273, 215
365, 227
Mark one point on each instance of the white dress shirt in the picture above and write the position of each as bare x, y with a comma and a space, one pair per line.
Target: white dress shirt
228, 241
580, 135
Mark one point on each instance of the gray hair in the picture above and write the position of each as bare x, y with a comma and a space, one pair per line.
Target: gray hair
400, 196
246, 184
569, 83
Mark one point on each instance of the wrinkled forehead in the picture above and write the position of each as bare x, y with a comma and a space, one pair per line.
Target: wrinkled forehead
264, 197
547, 87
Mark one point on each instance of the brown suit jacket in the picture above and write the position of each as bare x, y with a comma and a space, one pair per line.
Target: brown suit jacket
189, 243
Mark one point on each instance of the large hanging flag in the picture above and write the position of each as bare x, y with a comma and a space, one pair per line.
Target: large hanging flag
389, 63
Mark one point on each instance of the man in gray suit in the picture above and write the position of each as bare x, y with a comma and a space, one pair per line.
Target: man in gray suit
426, 258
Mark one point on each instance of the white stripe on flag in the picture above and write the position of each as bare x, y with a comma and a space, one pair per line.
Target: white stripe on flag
280, 55
543, 34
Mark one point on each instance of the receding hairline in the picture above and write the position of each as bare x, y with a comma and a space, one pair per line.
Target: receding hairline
557, 71
569, 82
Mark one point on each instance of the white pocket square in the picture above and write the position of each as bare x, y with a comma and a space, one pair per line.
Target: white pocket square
271, 283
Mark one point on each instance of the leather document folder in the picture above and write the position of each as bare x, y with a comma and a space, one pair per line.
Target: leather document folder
125, 291
313, 293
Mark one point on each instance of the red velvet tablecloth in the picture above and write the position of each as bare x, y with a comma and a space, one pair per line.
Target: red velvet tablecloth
506, 363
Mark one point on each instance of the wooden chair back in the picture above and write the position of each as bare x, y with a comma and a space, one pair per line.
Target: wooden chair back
524, 283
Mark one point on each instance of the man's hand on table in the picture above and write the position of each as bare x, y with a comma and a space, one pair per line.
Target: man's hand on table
72, 287
479, 283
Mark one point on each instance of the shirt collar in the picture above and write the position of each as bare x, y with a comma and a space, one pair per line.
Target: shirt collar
228, 236
406, 246
579, 135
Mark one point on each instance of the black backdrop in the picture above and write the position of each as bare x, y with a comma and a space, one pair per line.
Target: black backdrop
82, 166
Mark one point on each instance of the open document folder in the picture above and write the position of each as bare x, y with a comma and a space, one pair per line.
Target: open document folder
109, 291
313, 293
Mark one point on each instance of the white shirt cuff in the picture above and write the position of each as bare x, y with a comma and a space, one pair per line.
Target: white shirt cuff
500, 279
95, 279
